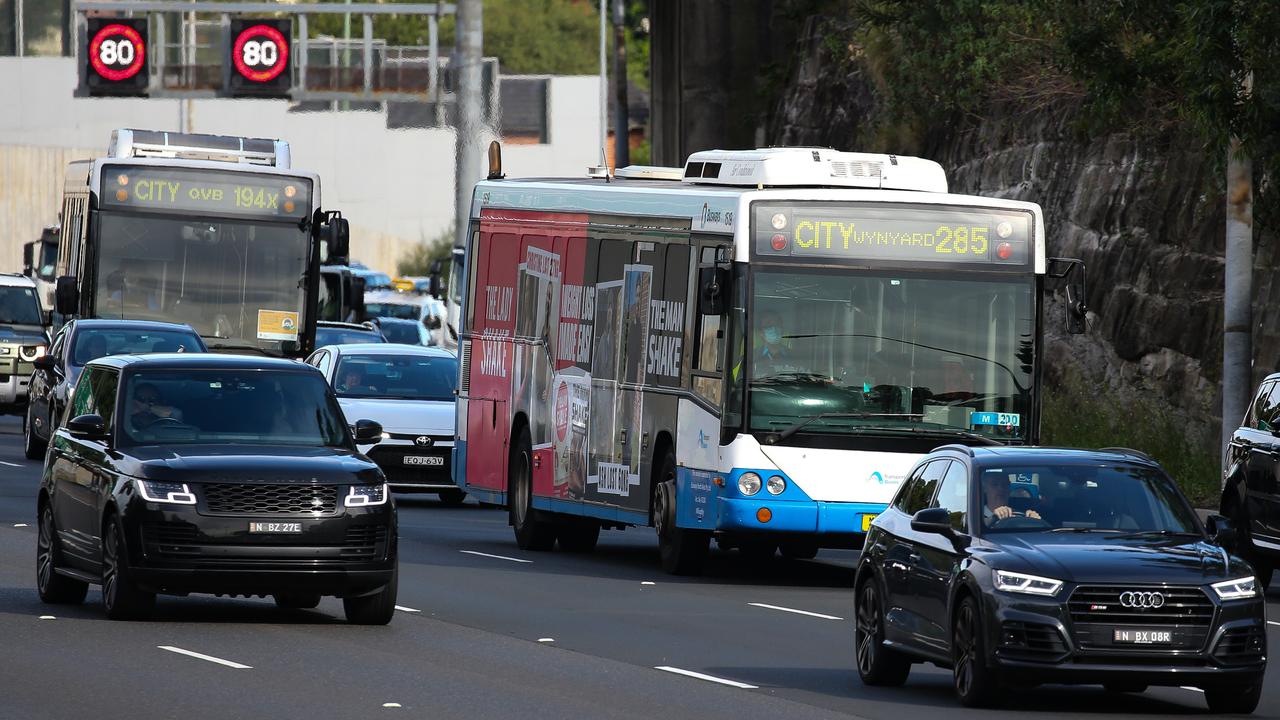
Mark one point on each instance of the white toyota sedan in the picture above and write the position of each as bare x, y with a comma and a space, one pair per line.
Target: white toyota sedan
410, 391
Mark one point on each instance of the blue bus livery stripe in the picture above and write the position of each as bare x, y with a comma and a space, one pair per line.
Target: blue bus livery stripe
574, 507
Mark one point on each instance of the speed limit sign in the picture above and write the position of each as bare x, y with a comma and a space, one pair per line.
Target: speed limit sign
259, 58
115, 56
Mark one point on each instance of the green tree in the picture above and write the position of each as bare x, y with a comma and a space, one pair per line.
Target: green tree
417, 260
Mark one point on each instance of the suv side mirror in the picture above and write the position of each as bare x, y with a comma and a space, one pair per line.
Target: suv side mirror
713, 290
87, 427
368, 431
45, 363
933, 520
1221, 531
66, 296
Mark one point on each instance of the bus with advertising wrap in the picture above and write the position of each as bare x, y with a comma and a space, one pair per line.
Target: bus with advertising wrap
754, 348
213, 231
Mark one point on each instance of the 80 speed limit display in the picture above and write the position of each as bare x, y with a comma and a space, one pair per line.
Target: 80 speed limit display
259, 58
116, 56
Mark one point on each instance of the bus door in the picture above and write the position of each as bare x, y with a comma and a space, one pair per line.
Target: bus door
490, 362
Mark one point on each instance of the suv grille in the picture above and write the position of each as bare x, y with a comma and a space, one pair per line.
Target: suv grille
1096, 610
257, 499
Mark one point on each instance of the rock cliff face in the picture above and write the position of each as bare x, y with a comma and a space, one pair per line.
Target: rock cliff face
1145, 213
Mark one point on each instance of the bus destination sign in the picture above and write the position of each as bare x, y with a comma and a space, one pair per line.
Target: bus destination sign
205, 191
893, 233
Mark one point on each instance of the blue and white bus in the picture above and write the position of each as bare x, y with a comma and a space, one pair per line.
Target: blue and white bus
754, 348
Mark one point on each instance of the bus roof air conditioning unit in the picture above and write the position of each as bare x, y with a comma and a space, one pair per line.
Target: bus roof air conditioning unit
128, 143
814, 167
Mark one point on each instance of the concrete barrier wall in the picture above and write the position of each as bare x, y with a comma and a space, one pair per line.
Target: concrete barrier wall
395, 186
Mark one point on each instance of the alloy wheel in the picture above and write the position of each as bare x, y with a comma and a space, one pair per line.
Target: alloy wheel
44, 550
868, 627
110, 565
965, 650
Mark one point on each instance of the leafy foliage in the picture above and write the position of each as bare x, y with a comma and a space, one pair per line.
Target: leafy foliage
418, 258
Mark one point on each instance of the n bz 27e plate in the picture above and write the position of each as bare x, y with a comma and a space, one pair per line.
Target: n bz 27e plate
275, 527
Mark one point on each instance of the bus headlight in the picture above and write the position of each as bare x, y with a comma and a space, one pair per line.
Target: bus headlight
748, 483
775, 485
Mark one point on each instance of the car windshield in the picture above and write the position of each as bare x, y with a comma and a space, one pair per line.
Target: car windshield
1117, 498
343, 336
18, 306
403, 311
254, 407
404, 377
405, 333
93, 343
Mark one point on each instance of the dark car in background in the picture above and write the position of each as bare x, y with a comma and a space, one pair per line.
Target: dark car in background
403, 332
342, 333
1105, 576
1251, 493
223, 474
76, 344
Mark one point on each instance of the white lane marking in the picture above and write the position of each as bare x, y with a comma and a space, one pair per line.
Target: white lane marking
48, 617
546, 640
1184, 687
390, 705
19, 524
209, 658
708, 678
2, 462
499, 557
1273, 622
402, 608
797, 612
646, 582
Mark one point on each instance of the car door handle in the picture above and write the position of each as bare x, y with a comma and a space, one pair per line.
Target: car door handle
895, 565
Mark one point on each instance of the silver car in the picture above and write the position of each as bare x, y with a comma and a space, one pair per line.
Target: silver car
409, 390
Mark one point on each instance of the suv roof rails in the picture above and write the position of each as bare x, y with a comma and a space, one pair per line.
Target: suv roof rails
957, 447
1128, 451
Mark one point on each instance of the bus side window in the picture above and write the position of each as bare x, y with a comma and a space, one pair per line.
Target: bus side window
708, 338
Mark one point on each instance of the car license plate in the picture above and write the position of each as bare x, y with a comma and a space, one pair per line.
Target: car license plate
1134, 636
275, 527
866, 522
429, 460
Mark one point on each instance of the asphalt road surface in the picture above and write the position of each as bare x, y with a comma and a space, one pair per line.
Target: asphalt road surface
486, 630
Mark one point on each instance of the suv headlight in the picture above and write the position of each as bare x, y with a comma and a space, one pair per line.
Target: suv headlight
31, 352
1240, 589
748, 483
165, 492
365, 495
1026, 584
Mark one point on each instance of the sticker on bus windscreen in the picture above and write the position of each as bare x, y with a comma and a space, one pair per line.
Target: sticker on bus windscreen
277, 325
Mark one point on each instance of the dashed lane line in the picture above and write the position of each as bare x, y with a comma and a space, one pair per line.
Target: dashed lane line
708, 678
402, 608
499, 557
797, 612
9, 464
208, 658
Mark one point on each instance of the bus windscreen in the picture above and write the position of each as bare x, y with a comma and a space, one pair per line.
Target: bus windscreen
895, 233
203, 191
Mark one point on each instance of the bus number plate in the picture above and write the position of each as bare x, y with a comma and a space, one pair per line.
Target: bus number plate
866, 522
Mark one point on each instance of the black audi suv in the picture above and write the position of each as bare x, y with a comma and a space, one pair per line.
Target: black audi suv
1021, 566
1251, 493
223, 474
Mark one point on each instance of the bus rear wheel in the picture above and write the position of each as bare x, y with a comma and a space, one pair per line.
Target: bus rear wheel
532, 533
683, 551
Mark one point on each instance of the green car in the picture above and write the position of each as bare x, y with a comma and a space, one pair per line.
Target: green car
22, 339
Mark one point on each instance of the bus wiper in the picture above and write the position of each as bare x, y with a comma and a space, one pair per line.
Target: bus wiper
952, 432
779, 437
238, 346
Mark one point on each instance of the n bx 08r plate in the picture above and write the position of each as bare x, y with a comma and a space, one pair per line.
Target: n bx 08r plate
275, 527
1141, 636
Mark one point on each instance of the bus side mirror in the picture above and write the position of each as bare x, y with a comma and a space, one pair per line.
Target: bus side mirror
66, 296
1077, 309
434, 286
713, 289
28, 259
336, 234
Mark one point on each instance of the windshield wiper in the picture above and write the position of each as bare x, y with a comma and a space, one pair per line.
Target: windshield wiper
951, 432
1160, 533
1082, 530
779, 437
238, 346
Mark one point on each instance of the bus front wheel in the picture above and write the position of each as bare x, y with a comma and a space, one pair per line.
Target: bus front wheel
683, 551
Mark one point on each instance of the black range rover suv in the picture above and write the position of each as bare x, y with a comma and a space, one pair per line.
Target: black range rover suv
182, 473
1023, 566
1251, 494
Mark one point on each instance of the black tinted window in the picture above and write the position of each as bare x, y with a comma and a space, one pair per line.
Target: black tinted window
93, 343
922, 491
336, 336
231, 406
18, 306
403, 333
95, 395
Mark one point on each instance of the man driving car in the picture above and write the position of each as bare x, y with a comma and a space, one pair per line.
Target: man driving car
995, 499
148, 407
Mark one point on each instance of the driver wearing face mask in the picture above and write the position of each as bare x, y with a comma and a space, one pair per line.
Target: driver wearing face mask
773, 351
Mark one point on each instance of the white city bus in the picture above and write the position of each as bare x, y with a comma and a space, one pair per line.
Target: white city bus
754, 348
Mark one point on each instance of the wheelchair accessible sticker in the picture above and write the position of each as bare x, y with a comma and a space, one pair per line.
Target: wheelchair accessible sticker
997, 419
277, 325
